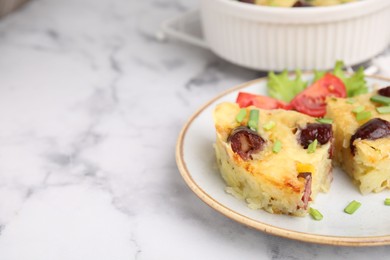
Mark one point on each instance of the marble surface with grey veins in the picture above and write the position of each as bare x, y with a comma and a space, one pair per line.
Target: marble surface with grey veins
91, 105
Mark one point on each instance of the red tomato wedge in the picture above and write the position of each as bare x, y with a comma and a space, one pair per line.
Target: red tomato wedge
311, 101
246, 99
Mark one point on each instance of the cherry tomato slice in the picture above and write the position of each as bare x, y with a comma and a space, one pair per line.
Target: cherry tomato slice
311, 101
246, 99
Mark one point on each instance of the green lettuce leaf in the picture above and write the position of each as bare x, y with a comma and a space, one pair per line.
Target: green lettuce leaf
318, 75
355, 84
282, 87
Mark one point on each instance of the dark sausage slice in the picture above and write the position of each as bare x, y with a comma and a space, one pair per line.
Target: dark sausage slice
245, 142
247, 1
322, 132
307, 192
384, 91
374, 129
300, 3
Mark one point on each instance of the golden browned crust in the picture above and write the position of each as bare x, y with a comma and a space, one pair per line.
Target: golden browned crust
270, 181
369, 169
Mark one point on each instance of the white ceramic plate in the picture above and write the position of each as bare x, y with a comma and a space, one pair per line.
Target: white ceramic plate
368, 226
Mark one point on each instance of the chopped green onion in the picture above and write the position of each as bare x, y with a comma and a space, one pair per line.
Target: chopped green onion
253, 119
324, 120
241, 115
350, 100
363, 115
269, 125
352, 207
315, 214
312, 146
380, 99
277, 146
387, 201
358, 109
383, 110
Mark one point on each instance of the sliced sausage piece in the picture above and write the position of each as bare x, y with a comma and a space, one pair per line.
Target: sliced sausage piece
384, 91
374, 129
301, 3
307, 192
245, 142
247, 1
322, 132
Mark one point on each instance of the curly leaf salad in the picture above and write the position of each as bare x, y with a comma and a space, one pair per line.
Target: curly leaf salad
294, 93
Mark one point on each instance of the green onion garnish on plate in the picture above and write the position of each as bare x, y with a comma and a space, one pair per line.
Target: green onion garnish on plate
387, 202
380, 99
363, 115
358, 109
352, 207
241, 115
315, 214
324, 120
312, 146
269, 125
383, 110
253, 119
277, 146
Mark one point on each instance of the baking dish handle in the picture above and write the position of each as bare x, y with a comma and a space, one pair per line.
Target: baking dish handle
185, 27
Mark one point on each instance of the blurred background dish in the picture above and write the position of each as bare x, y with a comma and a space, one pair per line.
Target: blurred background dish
7, 6
271, 38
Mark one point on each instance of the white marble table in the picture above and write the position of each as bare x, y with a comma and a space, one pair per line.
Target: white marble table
90, 108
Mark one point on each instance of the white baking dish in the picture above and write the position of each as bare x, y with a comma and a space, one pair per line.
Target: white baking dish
271, 38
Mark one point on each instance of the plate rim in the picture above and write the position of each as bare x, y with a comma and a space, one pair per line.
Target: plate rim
252, 223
